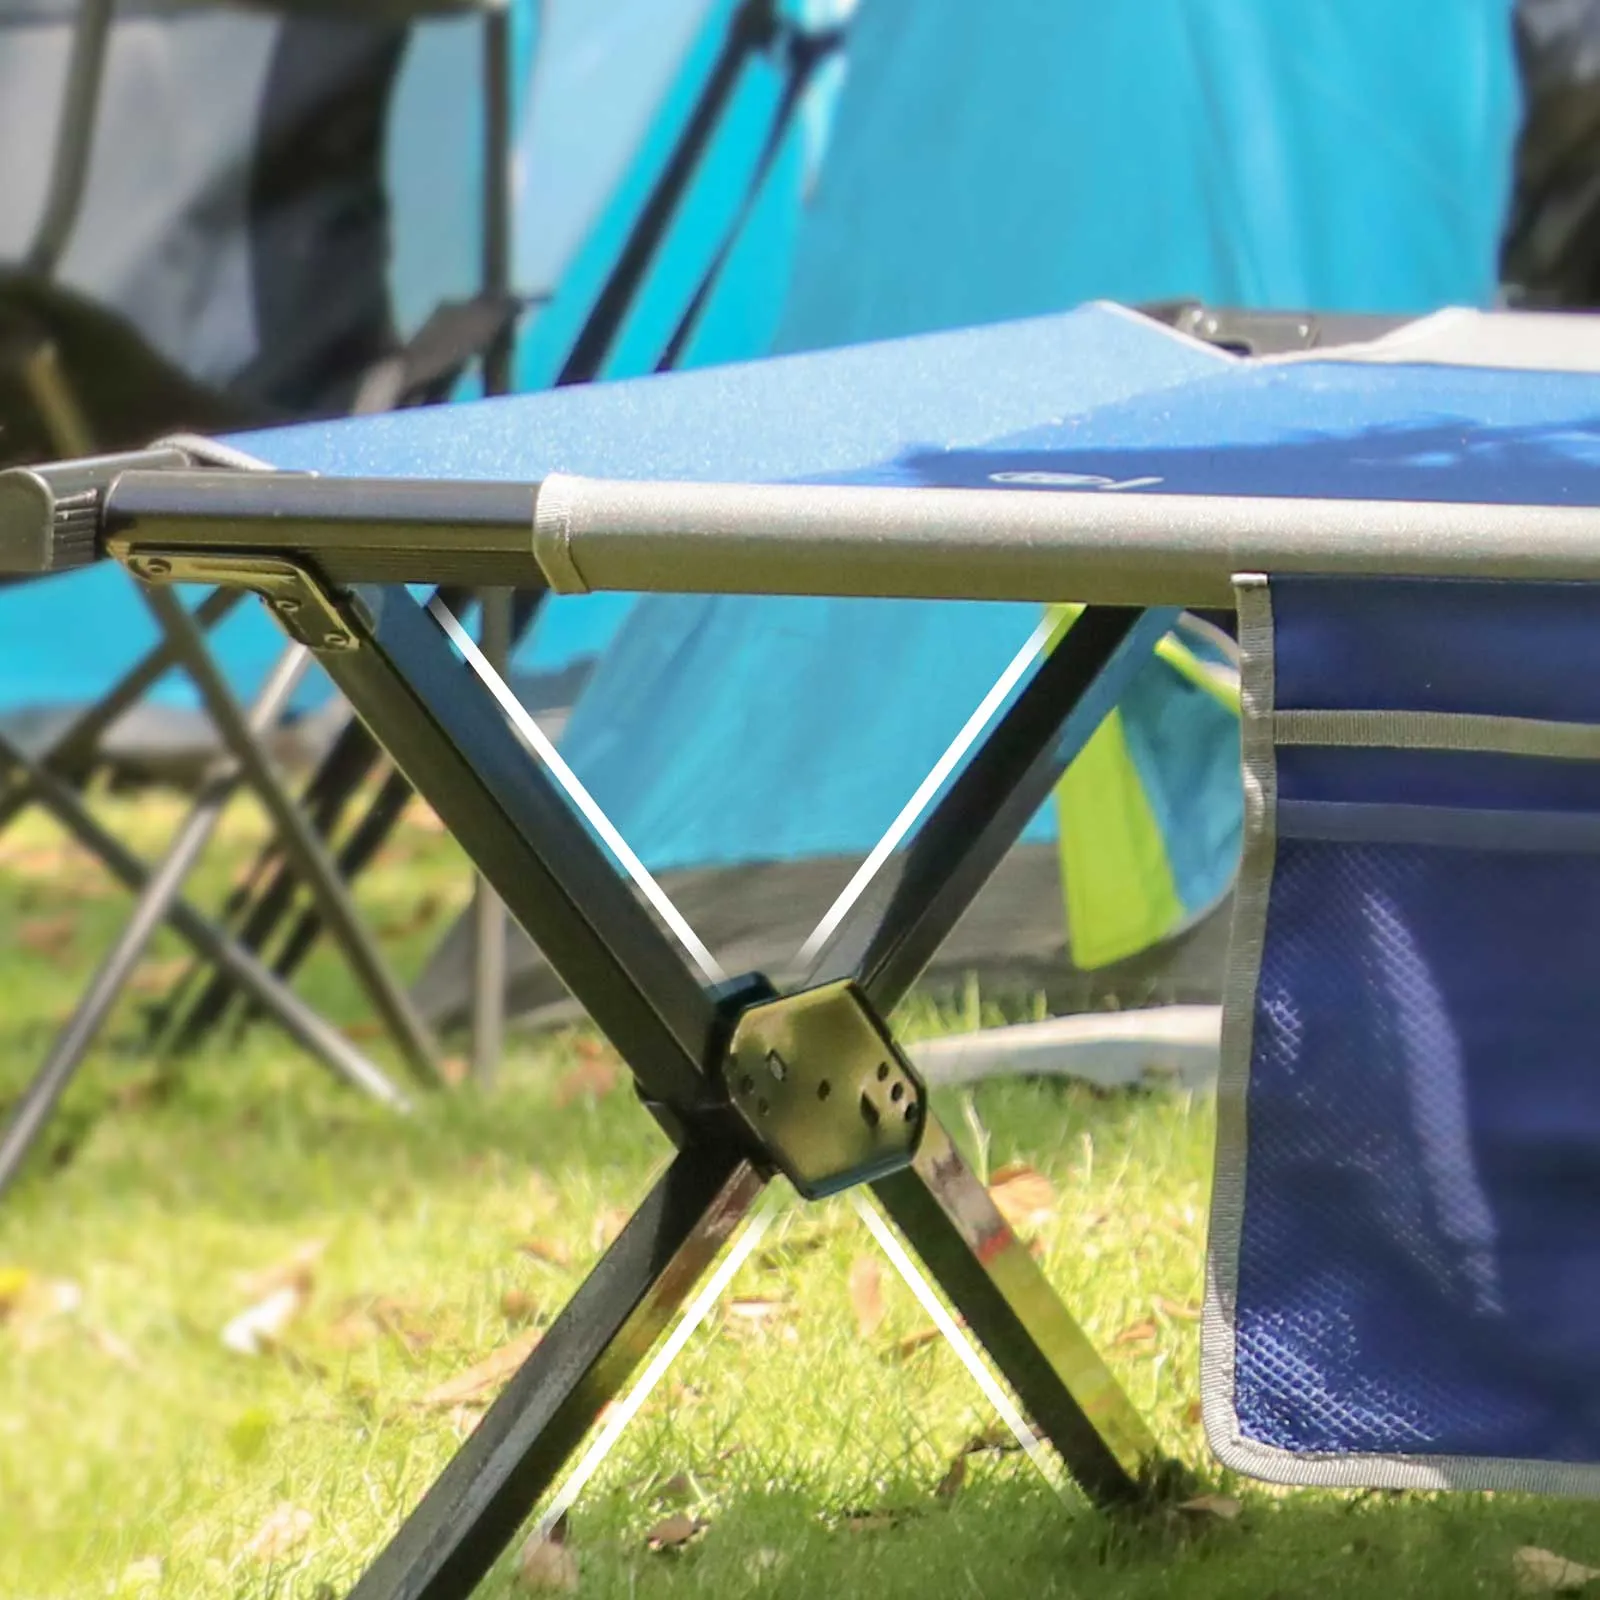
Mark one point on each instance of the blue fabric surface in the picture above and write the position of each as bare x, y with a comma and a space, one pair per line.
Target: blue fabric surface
1419, 1265
753, 421
1346, 430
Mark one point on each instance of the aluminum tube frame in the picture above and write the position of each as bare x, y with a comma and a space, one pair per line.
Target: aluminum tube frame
1122, 548
475, 1507
1125, 548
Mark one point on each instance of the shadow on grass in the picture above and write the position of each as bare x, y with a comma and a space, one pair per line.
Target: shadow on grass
1013, 1537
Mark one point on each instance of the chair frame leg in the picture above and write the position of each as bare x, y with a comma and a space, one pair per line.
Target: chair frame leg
268, 894
300, 840
210, 943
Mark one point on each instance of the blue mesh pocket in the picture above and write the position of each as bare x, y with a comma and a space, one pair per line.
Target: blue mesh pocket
1404, 1284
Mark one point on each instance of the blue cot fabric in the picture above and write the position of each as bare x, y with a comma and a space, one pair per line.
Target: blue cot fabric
1418, 1262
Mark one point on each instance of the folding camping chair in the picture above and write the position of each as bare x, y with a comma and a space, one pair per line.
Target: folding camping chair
75, 377
1408, 1088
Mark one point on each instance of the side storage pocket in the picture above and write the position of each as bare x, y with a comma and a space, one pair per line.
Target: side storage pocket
1404, 1278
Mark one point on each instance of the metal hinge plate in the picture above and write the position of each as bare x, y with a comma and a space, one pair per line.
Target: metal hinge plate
308, 613
820, 1082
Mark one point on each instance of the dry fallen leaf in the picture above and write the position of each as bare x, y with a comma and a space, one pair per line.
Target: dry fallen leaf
866, 1294
914, 1342
780, 1257
370, 1317
1544, 1572
158, 977
1024, 1197
1221, 1507
597, 1073
673, 1491
996, 1438
755, 1308
480, 1383
1194, 1414
402, 923
297, 1270
281, 1534
950, 1484
1141, 1332
420, 815
547, 1251
455, 1070
517, 1305
871, 1521
548, 1564
759, 1318
48, 936
674, 1532
1179, 1311
609, 1221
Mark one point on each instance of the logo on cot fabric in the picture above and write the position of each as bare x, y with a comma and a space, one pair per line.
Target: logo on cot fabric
1072, 480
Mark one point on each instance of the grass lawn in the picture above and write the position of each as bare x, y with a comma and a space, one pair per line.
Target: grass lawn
811, 1427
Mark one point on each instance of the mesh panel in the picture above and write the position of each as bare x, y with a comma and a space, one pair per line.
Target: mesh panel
1419, 1263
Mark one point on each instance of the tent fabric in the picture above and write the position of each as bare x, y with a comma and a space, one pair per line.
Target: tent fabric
1000, 160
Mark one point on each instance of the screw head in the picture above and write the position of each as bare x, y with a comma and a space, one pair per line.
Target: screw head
288, 605
155, 566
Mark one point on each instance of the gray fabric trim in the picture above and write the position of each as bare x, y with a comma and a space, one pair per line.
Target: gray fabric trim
1440, 730
1458, 1473
1449, 827
1253, 597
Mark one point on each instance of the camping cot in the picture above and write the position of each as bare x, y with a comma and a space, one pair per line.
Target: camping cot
1402, 1269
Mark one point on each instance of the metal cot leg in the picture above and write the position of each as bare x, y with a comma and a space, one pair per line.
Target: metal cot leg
422, 702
